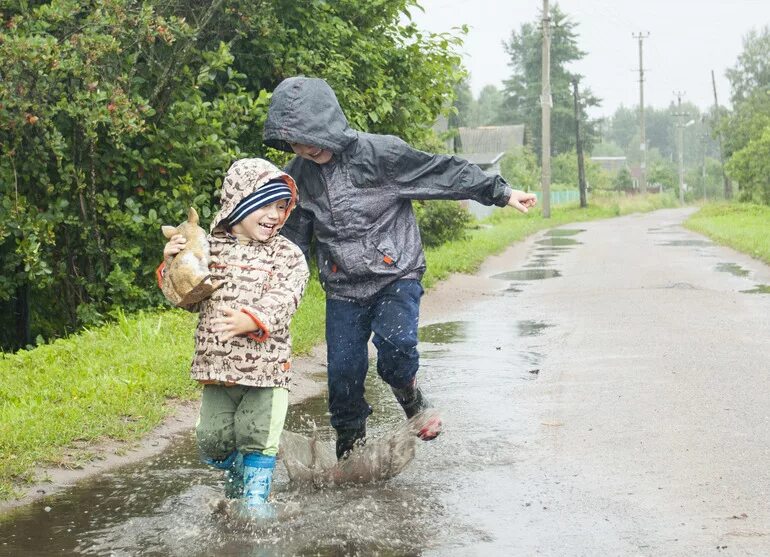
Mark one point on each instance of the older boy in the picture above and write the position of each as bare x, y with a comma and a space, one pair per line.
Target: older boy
356, 191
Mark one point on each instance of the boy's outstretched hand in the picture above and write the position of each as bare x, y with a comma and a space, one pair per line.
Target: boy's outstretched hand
522, 201
233, 323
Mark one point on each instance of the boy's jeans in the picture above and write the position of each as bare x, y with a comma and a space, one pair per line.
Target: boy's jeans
392, 316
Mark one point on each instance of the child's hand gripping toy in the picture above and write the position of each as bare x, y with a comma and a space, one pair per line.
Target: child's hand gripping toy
187, 279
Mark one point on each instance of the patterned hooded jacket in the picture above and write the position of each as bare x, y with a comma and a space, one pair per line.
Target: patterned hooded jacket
358, 206
265, 280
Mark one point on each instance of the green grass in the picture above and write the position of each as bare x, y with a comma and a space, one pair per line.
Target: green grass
742, 226
116, 382
113, 382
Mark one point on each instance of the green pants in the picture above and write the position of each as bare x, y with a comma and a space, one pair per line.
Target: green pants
249, 419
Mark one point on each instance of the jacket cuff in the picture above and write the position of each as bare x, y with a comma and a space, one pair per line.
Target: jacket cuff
506, 195
160, 272
261, 334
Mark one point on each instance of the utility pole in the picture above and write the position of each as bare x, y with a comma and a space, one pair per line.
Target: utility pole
727, 184
704, 144
642, 141
545, 103
680, 115
579, 148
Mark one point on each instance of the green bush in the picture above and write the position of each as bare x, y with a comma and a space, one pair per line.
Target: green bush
441, 221
520, 168
114, 120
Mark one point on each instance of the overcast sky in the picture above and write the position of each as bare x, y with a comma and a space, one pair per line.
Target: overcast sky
688, 39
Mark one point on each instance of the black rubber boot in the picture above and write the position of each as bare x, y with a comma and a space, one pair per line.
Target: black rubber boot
348, 439
413, 402
411, 399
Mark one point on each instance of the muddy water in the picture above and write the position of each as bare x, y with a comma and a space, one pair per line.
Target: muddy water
456, 497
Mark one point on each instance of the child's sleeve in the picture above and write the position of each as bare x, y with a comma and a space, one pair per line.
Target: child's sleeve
278, 304
420, 175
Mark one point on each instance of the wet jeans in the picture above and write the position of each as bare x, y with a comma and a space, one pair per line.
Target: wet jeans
392, 316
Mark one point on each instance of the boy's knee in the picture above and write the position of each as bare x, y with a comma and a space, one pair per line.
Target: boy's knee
404, 346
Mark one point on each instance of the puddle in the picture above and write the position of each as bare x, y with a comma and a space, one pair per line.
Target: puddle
544, 258
684, 243
558, 242
529, 328
758, 289
442, 333
539, 263
733, 269
528, 274
564, 231
163, 506
681, 286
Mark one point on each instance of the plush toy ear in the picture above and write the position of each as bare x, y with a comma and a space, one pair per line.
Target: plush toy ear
192, 216
169, 231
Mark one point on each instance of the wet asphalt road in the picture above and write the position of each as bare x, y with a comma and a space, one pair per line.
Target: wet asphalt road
608, 395
653, 402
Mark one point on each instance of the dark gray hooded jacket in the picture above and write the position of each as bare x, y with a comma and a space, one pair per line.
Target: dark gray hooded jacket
358, 205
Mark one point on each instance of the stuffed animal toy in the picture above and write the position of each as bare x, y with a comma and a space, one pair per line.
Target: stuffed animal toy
187, 279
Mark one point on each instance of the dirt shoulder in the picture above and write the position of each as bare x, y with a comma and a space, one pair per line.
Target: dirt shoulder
309, 380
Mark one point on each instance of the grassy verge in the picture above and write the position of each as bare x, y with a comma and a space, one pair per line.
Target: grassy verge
742, 226
116, 382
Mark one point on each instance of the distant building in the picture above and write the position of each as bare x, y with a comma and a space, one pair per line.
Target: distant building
612, 165
485, 146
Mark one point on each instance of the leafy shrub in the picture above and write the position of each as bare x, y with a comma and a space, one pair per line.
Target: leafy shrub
520, 168
115, 121
441, 221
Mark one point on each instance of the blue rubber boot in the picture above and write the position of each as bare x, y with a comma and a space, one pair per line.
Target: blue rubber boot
233, 467
257, 478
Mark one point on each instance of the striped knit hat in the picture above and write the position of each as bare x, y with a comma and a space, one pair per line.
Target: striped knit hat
267, 194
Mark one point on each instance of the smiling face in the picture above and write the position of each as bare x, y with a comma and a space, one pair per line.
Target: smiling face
264, 222
311, 153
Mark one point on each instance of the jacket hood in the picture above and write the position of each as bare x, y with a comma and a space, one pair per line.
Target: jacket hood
244, 177
305, 110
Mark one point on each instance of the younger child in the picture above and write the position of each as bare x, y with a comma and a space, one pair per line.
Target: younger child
242, 344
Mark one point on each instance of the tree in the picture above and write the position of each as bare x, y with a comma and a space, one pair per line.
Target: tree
523, 89
489, 111
746, 131
752, 71
623, 180
706, 180
607, 149
662, 133
663, 173
623, 126
464, 105
751, 168
564, 171
519, 167
115, 117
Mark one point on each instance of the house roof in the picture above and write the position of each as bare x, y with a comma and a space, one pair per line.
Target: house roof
491, 139
482, 159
